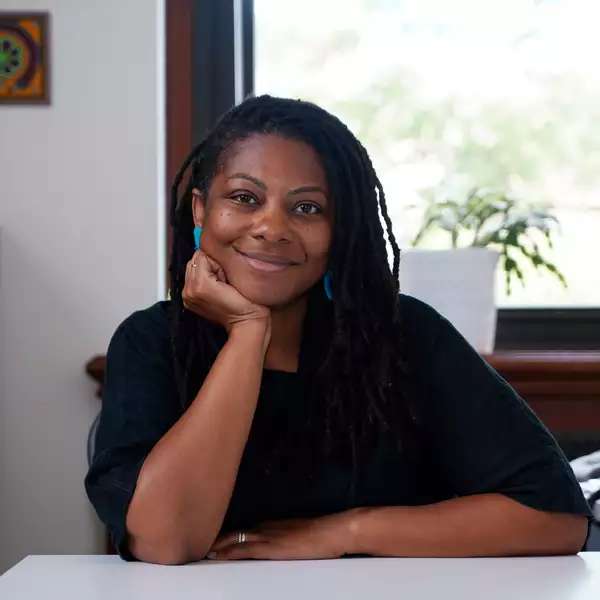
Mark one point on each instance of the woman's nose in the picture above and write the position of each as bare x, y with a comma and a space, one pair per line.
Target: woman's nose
272, 225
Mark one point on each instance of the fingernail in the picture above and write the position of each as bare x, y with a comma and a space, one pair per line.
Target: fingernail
211, 555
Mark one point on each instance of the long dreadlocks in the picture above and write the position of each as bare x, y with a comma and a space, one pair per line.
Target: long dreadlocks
360, 378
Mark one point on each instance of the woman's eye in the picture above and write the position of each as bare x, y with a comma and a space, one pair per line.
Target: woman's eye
306, 208
243, 197
305, 204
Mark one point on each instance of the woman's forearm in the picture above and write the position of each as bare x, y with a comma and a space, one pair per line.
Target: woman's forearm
186, 481
479, 525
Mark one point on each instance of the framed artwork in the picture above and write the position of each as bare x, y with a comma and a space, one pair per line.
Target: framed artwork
24, 60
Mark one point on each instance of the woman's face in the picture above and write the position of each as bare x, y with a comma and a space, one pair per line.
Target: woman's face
269, 198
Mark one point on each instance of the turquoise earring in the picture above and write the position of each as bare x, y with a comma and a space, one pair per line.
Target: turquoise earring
197, 236
327, 285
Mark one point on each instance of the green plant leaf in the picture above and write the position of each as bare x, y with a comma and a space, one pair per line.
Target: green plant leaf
496, 219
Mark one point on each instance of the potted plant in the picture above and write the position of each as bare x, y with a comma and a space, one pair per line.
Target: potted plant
486, 227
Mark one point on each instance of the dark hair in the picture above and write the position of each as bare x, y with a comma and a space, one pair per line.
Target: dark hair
357, 365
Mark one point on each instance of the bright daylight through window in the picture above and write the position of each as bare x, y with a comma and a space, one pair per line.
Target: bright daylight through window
501, 96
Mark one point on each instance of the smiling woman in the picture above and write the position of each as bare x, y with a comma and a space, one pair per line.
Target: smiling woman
272, 216
288, 401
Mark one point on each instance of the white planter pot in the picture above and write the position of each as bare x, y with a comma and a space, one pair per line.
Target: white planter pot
460, 284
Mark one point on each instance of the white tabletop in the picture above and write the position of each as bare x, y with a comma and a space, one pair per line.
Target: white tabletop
107, 577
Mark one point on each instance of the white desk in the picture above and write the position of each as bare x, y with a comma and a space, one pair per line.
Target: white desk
107, 577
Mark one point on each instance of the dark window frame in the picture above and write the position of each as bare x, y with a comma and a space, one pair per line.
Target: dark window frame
214, 49
548, 329
210, 39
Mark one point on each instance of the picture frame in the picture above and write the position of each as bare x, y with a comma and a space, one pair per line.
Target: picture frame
24, 58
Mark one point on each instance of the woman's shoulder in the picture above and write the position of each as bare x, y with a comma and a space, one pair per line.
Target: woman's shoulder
433, 340
430, 339
153, 320
414, 306
145, 331
420, 320
149, 329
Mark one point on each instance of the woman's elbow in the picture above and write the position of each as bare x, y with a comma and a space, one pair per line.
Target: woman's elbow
161, 553
570, 533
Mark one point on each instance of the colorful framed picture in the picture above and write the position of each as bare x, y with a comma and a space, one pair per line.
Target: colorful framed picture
24, 60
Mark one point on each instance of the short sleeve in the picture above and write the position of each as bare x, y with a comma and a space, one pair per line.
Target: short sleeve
138, 408
484, 436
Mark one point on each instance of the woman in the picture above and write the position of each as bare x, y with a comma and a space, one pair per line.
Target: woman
288, 402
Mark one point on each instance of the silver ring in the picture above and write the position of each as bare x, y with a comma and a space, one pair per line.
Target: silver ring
241, 538
194, 265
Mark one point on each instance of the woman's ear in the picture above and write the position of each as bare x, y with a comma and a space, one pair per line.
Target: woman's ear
198, 207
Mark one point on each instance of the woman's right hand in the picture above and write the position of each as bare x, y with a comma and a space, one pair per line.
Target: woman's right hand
208, 294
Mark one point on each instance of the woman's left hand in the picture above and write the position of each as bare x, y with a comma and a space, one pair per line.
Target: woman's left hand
290, 539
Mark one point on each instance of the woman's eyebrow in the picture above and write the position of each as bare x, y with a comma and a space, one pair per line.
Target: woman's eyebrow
307, 188
262, 185
258, 182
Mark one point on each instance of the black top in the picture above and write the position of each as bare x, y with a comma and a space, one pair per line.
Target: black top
481, 436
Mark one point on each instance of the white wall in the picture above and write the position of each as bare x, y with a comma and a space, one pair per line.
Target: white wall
81, 182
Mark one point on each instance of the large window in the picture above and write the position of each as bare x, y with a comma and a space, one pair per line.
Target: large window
447, 95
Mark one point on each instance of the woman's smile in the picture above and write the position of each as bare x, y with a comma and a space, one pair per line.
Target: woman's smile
264, 266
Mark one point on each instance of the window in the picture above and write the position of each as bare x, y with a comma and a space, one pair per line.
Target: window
450, 95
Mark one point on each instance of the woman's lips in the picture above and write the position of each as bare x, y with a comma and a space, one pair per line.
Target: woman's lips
261, 265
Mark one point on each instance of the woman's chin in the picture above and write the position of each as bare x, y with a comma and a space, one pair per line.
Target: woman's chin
270, 300
266, 295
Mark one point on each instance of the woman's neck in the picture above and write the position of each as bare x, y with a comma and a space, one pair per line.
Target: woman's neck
286, 336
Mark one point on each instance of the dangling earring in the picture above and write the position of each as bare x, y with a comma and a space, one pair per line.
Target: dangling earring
197, 236
327, 285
